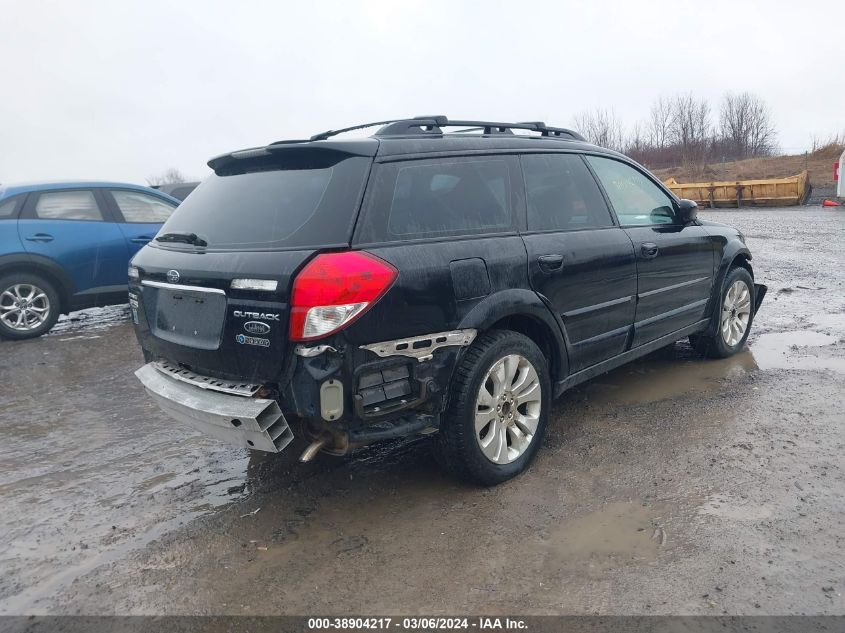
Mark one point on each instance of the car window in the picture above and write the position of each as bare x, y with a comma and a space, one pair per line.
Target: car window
68, 205
449, 196
635, 198
7, 208
137, 206
298, 200
562, 194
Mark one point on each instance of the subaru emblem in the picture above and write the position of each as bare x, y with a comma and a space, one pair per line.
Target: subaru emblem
173, 276
256, 327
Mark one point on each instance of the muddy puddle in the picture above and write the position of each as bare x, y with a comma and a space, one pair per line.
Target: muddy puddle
669, 373
617, 533
677, 370
804, 349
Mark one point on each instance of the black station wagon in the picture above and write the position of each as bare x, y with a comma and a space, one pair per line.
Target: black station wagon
422, 282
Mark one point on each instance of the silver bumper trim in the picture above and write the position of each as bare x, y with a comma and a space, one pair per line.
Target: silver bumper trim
205, 382
250, 422
422, 347
182, 287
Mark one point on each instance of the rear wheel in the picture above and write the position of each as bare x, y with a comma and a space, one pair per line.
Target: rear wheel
498, 409
735, 314
29, 306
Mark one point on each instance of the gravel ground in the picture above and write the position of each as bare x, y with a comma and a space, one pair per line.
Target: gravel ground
670, 486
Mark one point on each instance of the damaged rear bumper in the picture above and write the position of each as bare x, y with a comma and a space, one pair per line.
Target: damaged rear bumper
243, 421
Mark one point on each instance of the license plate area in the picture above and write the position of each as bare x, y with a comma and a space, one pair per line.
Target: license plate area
186, 316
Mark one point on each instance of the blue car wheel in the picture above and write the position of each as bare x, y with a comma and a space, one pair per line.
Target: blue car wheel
29, 306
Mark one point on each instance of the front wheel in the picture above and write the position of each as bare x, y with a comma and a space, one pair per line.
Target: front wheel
735, 314
498, 409
29, 306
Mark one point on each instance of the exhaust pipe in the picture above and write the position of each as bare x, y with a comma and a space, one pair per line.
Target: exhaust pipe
313, 448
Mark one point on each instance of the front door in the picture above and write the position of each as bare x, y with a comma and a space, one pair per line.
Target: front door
579, 260
675, 262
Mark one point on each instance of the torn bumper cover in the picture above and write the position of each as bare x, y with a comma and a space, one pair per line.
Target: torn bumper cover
243, 421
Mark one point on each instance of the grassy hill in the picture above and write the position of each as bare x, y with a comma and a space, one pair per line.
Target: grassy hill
819, 164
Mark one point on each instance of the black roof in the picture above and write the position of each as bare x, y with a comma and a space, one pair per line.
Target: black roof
422, 135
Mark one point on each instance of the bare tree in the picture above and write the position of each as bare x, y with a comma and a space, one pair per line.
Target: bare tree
660, 123
691, 129
602, 128
679, 131
171, 176
637, 140
745, 126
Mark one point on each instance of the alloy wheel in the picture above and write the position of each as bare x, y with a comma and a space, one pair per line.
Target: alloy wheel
24, 307
736, 313
507, 409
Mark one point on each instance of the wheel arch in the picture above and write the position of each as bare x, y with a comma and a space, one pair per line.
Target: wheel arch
47, 268
523, 311
743, 259
736, 254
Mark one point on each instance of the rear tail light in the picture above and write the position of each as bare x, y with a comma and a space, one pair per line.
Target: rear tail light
333, 290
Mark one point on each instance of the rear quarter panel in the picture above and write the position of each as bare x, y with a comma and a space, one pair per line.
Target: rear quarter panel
439, 283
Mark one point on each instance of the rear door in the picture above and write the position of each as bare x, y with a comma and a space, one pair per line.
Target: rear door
73, 228
141, 215
10, 241
675, 261
578, 259
448, 226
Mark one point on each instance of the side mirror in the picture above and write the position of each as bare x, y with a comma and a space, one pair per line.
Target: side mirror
687, 211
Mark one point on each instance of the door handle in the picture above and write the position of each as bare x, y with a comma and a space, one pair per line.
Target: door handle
40, 237
550, 262
141, 239
649, 250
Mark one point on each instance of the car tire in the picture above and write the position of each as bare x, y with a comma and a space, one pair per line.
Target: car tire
734, 315
498, 409
29, 306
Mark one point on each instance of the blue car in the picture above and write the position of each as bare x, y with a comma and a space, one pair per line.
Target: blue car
66, 246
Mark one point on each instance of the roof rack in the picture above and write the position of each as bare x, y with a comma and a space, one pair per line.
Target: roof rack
424, 125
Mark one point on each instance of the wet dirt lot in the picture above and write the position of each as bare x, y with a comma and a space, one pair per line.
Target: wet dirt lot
672, 485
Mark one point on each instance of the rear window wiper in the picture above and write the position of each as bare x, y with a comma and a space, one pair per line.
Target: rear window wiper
186, 238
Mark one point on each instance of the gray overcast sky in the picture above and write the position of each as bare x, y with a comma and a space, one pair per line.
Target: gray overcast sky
121, 90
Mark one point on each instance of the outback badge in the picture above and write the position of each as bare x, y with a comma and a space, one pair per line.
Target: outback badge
252, 340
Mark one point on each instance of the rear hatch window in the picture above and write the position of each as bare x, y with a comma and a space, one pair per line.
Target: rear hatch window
299, 202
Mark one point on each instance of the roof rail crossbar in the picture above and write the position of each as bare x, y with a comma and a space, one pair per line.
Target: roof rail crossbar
434, 124
491, 127
486, 130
